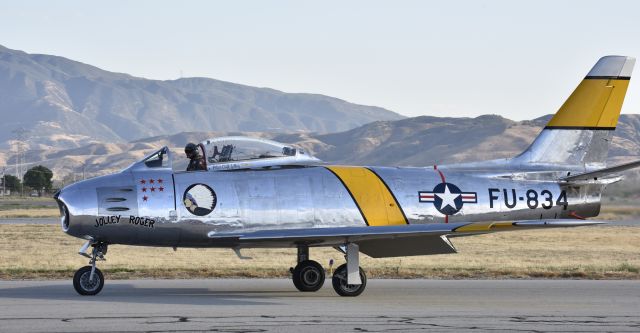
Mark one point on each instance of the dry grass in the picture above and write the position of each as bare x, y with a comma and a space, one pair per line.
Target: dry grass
44, 198
618, 212
40, 212
43, 251
12, 207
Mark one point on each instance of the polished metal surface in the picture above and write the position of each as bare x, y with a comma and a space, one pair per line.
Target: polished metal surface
148, 203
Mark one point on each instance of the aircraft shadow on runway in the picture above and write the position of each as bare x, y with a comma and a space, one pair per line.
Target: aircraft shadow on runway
132, 294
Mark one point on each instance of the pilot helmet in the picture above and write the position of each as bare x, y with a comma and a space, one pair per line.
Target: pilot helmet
191, 149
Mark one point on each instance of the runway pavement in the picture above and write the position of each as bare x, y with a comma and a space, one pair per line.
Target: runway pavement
256, 305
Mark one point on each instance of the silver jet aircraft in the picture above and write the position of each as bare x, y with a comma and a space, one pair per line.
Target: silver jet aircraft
262, 194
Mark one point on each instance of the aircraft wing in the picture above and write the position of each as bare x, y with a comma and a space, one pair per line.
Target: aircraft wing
387, 241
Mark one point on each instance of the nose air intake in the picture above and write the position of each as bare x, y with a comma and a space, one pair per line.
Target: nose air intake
64, 212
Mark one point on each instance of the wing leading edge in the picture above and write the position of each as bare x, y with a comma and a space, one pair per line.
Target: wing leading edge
387, 241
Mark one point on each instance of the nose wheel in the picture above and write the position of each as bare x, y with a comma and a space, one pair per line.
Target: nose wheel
88, 280
85, 284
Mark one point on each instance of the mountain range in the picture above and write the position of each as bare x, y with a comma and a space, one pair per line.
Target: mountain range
419, 141
82, 119
65, 103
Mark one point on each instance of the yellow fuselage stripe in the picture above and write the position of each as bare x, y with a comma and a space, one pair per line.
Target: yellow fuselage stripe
596, 103
372, 196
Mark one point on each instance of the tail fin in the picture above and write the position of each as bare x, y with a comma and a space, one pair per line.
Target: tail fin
579, 133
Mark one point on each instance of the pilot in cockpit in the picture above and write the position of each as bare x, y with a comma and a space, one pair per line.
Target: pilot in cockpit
196, 162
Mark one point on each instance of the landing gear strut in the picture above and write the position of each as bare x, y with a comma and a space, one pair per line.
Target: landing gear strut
342, 287
308, 275
349, 279
89, 280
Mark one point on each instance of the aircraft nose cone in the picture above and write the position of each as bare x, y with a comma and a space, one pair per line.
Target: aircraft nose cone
64, 211
79, 203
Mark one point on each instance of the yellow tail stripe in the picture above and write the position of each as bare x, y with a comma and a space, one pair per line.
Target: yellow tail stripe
596, 103
372, 196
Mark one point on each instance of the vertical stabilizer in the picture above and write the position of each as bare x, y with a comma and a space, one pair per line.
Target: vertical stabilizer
579, 133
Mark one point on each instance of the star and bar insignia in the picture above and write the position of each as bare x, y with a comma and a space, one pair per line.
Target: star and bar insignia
447, 198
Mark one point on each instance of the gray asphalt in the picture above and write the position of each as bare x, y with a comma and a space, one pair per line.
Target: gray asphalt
250, 305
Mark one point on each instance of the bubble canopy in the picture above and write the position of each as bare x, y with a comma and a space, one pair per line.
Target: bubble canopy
239, 152
233, 153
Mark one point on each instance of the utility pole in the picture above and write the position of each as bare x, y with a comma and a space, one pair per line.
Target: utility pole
16, 160
21, 137
4, 181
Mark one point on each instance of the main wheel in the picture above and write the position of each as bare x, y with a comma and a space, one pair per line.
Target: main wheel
87, 287
340, 285
308, 276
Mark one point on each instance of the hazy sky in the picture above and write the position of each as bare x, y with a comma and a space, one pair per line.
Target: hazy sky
445, 58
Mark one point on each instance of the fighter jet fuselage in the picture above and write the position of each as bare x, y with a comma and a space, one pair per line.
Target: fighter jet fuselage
147, 207
260, 193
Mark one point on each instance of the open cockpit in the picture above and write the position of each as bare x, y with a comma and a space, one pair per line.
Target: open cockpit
233, 153
237, 152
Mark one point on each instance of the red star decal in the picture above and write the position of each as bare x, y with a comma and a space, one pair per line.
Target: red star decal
142, 181
145, 198
151, 181
153, 189
144, 189
160, 181
161, 188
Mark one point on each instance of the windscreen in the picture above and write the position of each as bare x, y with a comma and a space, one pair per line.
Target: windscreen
159, 159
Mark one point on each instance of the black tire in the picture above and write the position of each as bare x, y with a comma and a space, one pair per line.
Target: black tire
308, 276
340, 285
82, 284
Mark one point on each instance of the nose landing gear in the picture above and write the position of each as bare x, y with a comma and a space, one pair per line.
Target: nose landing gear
88, 280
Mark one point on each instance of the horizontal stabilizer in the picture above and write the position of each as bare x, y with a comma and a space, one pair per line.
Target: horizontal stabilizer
594, 175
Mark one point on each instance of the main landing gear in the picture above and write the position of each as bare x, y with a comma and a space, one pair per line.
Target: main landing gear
308, 275
348, 279
89, 280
